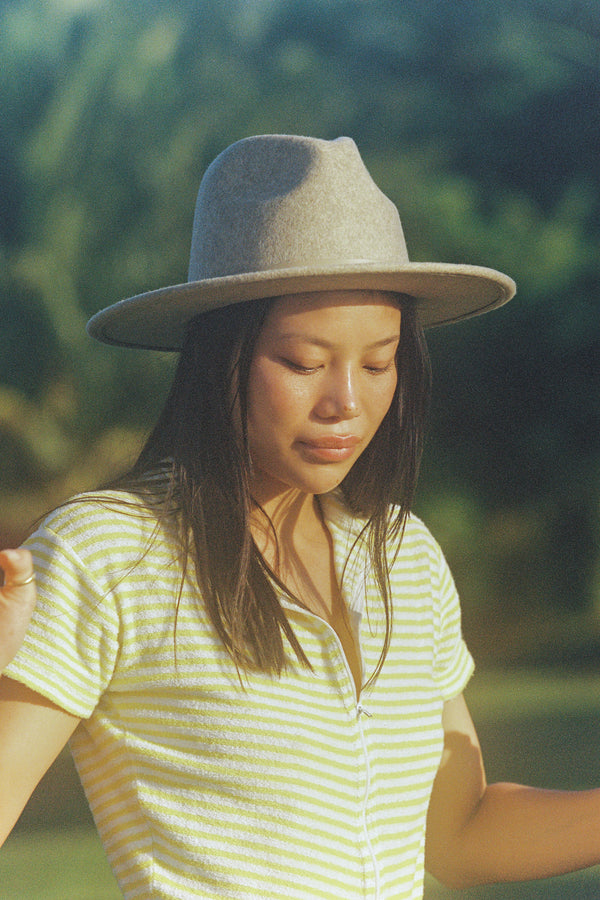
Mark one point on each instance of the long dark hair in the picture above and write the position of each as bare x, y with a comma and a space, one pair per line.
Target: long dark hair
208, 496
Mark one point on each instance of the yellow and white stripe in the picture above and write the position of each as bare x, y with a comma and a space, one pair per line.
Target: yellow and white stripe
287, 787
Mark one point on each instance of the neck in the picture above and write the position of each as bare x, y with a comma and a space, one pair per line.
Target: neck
295, 542
280, 522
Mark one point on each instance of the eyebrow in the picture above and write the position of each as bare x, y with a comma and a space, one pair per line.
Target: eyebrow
328, 345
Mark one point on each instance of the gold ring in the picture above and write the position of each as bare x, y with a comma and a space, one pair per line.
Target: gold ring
20, 583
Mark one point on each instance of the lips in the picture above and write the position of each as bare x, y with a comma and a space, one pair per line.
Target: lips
329, 448
333, 442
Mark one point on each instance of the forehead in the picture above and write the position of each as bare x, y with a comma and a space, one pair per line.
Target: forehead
330, 310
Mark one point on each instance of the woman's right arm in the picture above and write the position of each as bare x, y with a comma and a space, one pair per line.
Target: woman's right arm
33, 730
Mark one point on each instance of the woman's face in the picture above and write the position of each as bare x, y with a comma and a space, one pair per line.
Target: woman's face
322, 378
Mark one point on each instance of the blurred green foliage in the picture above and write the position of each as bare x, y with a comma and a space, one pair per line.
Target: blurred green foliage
481, 121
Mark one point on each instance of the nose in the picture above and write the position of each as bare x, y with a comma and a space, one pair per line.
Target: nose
339, 399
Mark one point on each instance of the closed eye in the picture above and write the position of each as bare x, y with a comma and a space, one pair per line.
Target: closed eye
297, 367
379, 370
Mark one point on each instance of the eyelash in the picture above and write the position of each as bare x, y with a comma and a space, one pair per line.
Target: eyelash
379, 370
307, 370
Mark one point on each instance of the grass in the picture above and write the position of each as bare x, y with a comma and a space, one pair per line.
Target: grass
518, 693
580, 886
63, 864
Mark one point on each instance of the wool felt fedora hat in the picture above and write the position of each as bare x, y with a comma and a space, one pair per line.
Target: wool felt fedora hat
284, 214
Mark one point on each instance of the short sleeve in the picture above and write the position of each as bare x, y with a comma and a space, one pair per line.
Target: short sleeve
71, 646
453, 663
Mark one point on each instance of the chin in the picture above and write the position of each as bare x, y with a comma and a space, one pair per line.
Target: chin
306, 480
322, 485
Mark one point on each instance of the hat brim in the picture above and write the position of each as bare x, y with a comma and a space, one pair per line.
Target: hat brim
443, 292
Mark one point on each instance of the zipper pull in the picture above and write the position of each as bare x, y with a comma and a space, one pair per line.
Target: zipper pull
361, 709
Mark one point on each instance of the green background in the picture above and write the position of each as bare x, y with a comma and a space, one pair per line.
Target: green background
482, 122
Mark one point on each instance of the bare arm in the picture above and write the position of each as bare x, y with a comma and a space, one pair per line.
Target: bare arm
32, 729
479, 833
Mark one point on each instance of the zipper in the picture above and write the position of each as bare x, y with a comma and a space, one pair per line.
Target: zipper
360, 711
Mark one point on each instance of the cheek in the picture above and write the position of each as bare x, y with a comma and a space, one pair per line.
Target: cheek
270, 402
391, 394
382, 400
271, 393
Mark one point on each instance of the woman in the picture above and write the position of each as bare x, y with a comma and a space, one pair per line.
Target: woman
254, 648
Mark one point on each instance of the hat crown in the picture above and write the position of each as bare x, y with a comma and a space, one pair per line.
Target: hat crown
285, 214
275, 202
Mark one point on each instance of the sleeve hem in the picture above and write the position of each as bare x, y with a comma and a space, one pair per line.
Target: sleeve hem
44, 689
462, 678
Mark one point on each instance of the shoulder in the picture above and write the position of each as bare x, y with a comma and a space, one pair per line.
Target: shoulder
98, 513
413, 553
418, 538
338, 514
106, 510
420, 553
414, 537
104, 534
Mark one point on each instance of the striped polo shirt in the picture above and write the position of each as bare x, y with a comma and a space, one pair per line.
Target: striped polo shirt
277, 787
